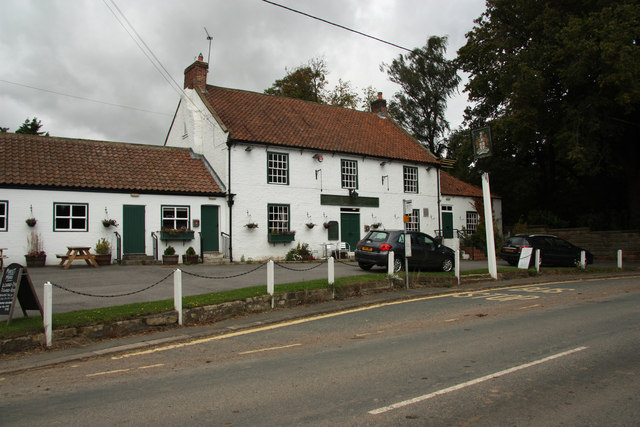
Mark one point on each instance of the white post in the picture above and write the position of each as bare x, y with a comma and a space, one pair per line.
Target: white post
177, 294
390, 262
270, 280
620, 258
47, 310
488, 222
457, 261
331, 275
537, 261
583, 260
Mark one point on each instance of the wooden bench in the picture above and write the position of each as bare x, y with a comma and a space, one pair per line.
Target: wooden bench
63, 258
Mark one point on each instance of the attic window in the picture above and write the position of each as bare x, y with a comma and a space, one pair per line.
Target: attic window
278, 168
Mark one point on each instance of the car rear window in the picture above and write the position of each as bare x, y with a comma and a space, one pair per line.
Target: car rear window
517, 241
378, 236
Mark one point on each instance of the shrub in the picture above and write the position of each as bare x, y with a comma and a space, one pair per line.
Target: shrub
300, 253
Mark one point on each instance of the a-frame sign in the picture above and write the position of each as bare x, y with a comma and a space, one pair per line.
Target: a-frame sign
16, 286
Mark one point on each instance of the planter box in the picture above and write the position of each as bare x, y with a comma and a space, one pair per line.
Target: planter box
35, 261
170, 259
103, 259
281, 238
190, 259
187, 235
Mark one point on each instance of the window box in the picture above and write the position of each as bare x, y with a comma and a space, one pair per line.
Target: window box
281, 238
176, 235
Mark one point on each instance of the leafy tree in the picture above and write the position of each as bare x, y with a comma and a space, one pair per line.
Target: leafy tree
427, 79
306, 82
309, 81
31, 127
3, 130
559, 82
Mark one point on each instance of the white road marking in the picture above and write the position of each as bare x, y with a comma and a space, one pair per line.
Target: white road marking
472, 382
157, 365
530, 306
451, 320
269, 349
115, 371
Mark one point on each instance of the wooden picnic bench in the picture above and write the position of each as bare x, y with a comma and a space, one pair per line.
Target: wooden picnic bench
74, 253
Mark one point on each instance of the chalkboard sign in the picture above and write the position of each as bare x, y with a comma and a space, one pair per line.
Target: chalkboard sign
16, 286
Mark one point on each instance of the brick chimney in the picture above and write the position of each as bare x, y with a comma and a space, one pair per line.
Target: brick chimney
195, 75
379, 106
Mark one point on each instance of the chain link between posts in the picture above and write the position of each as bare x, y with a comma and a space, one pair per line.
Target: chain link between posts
223, 277
116, 295
299, 269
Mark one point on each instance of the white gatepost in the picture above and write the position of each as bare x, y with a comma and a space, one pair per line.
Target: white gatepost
331, 276
270, 281
583, 260
458, 264
488, 222
177, 294
47, 312
620, 258
390, 262
537, 260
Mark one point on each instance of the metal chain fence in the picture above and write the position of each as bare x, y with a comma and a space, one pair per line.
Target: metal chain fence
116, 295
223, 277
299, 269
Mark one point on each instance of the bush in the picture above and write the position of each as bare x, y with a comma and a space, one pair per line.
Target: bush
190, 251
170, 250
103, 247
300, 253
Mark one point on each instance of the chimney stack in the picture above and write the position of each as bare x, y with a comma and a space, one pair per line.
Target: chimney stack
379, 106
195, 75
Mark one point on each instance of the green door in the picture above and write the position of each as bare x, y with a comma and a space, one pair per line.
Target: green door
209, 228
133, 229
447, 225
350, 229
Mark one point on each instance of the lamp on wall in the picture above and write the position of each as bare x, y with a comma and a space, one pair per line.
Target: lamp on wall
318, 157
249, 148
384, 162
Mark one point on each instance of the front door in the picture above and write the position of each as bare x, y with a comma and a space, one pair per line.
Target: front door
447, 225
133, 229
350, 229
209, 227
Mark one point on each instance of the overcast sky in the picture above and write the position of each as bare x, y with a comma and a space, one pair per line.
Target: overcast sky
78, 48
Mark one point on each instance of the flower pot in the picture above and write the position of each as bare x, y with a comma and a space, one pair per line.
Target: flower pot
170, 259
35, 260
103, 259
190, 259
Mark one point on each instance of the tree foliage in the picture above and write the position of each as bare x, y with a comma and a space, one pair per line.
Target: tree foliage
31, 127
427, 80
559, 82
308, 82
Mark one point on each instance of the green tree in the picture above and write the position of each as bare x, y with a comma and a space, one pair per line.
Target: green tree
4, 130
305, 82
427, 80
31, 127
559, 82
309, 81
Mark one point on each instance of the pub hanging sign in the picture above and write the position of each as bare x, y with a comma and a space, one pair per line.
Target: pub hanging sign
481, 142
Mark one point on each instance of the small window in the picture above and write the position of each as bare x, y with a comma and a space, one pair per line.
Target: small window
447, 208
472, 222
410, 179
70, 216
4, 213
278, 220
349, 170
414, 221
278, 168
175, 217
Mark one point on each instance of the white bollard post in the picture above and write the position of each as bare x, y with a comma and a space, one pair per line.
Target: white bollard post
331, 276
270, 281
583, 260
390, 262
537, 260
457, 266
620, 258
47, 310
177, 294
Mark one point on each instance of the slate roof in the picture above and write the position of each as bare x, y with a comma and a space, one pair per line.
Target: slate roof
452, 186
64, 163
277, 121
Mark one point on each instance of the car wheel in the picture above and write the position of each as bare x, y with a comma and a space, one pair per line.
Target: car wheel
365, 266
447, 264
398, 264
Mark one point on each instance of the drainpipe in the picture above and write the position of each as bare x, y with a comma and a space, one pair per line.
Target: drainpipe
230, 197
439, 211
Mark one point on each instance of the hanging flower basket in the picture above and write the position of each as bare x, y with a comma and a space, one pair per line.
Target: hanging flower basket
31, 222
310, 225
109, 222
251, 225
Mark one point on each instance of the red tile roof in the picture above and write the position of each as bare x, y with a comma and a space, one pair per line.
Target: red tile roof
452, 186
41, 161
278, 121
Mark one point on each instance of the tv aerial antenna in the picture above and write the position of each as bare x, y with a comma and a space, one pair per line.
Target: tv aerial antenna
208, 38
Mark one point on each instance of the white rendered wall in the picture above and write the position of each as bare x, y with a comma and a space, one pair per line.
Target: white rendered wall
56, 242
461, 205
253, 194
